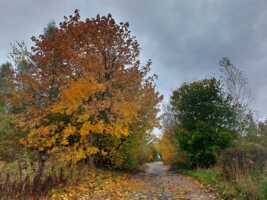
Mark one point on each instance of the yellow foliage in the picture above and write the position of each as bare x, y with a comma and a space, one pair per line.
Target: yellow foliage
77, 92
120, 131
84, 117
94, 89
84, 131
69, 130
168, 148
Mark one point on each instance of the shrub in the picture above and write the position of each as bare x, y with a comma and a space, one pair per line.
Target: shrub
244, 160
29, 179
263, 189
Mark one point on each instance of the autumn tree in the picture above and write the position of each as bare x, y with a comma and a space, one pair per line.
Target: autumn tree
84, 90
169, 148
205, 120
137, 149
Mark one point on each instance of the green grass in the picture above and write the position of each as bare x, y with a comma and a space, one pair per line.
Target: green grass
206, 176
212, 178
248, 188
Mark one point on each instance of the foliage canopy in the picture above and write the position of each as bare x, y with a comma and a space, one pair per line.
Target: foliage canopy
205, 120
81, 88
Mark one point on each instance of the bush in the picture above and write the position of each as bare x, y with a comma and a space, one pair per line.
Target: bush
263, 189
244, 160
29, 179
246, 188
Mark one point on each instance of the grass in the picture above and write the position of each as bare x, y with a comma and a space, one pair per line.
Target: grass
211, 178
247, 188
206, 176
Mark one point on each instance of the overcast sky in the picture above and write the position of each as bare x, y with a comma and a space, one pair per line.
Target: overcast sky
184, 38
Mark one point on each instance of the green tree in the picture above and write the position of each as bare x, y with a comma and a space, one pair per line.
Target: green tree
10, 149
262, 133
205, 120
6, 73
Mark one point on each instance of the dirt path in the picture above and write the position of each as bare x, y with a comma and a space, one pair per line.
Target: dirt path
163, 184
156, 168
155, 183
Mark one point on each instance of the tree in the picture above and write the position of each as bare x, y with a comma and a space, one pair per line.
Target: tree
236, 84
205, 120
6, 76
168, 146
83, 88
49, 29
262, 133
136, 150
10, 149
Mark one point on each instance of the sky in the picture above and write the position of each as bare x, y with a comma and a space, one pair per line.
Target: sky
185, 39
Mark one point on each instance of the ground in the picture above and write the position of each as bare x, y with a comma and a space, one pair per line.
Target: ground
155, 183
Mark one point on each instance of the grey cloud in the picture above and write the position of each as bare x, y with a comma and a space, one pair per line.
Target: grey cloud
185, 39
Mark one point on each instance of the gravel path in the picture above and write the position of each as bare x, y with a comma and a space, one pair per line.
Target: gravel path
155, 183
164, 185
